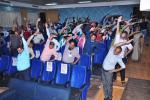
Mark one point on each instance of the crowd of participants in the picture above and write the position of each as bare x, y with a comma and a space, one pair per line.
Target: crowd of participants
67, 41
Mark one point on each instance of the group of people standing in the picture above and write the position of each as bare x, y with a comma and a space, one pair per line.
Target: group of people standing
127, 36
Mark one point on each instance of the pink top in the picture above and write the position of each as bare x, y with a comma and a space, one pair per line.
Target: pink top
47, 52
81, 42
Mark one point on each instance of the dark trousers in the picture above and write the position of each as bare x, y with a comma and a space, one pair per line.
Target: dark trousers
122, 72
107, 80
96, 69
24, 75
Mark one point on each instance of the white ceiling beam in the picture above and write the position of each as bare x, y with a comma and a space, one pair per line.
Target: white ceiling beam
97, 4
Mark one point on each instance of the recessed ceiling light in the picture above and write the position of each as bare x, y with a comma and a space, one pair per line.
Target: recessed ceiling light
84, 2
51, 4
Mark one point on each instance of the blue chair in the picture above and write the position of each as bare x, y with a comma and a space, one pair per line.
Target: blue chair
78, 80
38, 49
85, 60
5, 62
12, 67
63, 76
36, 69
62, 49
99, 57
1, 67
49, 71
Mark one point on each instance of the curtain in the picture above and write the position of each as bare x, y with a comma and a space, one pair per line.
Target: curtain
7, 18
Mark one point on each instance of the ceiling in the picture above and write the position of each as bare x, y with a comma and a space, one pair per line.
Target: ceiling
59, 2
40, 4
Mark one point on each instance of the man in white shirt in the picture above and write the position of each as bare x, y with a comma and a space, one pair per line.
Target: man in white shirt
112, 58
126, 49
71, 53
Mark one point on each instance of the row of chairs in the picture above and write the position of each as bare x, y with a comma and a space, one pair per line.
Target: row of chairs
77, 76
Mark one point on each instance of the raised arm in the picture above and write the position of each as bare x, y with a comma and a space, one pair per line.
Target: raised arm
122, 43
25, 45
37, 22
27, 24
15, 24
47, 30
118, 25
57, 44
117, 36
132, 34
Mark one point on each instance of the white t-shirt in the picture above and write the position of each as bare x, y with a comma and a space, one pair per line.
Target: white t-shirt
70, 55
125, 47
111, 60
38, 38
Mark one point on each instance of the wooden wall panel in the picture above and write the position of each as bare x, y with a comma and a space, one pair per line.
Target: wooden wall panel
52, 15
24, 14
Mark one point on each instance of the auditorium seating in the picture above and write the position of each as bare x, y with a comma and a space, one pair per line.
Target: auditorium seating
27, 90
12, 67
62, 75
36, 69
85, 60
5, 60
38, 48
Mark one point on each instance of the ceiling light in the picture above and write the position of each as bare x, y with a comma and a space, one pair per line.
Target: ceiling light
51, 4
84, 2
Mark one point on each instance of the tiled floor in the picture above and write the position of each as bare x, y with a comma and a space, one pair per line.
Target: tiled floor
137, 89
139, 70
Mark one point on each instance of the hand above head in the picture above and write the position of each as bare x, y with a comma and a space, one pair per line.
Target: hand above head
38, 19
46, 25
120, 19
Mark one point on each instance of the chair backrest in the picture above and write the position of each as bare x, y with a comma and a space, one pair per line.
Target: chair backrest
49, 71
78, 78
99, 57
38, 50
44, 92
36, 68
62, 49
1, 67
63, 73
5, 62
24, 90
12, 67
85, 60
27, 90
